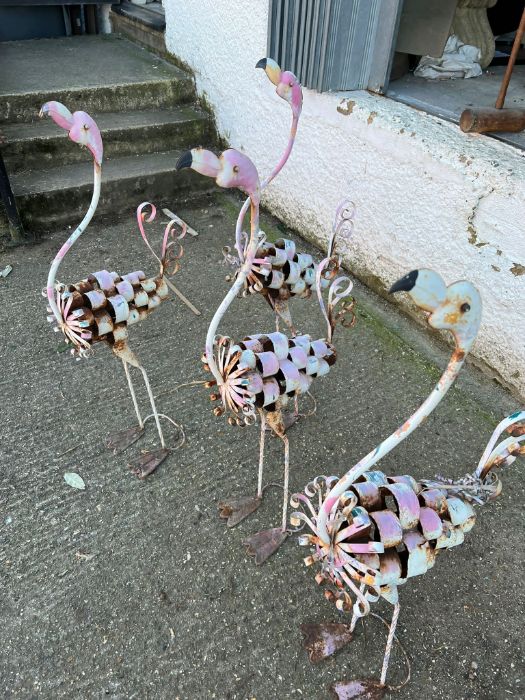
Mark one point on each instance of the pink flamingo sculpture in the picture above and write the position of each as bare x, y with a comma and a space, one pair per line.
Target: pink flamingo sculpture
278, 271
102, 306
261, 372
372, 532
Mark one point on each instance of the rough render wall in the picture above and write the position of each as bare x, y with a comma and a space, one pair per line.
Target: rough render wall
426, 194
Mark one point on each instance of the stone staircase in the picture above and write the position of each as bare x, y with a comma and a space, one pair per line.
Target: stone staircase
145, 107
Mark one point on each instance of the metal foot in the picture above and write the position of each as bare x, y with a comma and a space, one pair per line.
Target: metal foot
120, 441
289, 419
265, 543
369, 689
146, 464
324, 639
237, 509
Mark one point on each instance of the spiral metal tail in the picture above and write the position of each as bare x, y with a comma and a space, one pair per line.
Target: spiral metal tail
171, 251
502, 453
339, 287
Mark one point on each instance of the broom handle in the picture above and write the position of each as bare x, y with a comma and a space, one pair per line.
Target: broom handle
510, 65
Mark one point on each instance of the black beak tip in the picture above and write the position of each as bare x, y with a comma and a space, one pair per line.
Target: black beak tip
261, 64
405, 284
184, 161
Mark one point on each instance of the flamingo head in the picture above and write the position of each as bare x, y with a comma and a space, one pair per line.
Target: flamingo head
287, 85
456, 308
81, 127
230, 169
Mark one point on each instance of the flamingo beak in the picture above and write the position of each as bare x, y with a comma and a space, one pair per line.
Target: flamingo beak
202, 161
404, 284
271, 68
426, 287
58, 113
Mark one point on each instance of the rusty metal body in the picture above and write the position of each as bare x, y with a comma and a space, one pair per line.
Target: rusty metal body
102, 306
265, 371
370, 533
385, 530
279, 272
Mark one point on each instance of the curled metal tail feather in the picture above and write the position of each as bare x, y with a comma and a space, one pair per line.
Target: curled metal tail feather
510, 424
172, 250
340, 308
343, 224
169, 257
144, 216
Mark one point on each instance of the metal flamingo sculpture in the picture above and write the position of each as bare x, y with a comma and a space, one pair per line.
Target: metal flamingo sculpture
102, 306
370, 533
261, 372
289, 88
278, 271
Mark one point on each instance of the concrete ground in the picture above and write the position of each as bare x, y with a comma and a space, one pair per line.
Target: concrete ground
134, 589
69, 61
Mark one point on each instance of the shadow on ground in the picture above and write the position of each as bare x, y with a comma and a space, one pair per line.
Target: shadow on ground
133, 589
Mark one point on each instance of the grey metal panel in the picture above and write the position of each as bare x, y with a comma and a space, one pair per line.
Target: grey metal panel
425, 27
335, 44
386, 30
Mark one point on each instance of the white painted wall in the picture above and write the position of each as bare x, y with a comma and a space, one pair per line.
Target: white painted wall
426, 194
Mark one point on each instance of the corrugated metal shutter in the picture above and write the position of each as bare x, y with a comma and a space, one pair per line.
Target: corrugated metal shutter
335, 44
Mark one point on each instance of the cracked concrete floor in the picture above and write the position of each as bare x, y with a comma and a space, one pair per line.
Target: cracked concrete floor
133, 589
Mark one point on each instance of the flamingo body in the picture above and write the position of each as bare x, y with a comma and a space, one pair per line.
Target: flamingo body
102, 306
385, 530
264, 371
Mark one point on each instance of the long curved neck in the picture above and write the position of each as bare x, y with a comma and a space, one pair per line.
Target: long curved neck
235, 288
280, 165
415, 420
50, 288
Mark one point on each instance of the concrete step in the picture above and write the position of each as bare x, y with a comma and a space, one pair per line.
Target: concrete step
151, 15
58, 197
123, 77
142, 33
44, 145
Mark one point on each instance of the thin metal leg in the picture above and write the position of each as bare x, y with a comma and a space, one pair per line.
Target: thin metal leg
286, 479
153, 406
354, 616
390, 642
132, 392
261, 454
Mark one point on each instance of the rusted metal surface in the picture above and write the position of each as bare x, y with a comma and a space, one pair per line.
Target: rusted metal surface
369, 533
263, 370
325, 641
279, 272
102, 306
385, 530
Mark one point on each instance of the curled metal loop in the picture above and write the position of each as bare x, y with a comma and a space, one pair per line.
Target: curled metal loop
343, 223
228, 258
339, 290
148, 217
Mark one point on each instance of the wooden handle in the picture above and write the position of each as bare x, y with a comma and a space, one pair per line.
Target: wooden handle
510, 65
487, 119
